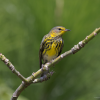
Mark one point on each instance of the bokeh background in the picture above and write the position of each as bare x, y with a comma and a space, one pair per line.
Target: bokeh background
23, 23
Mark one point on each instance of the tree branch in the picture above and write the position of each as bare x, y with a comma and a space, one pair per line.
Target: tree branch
11, 67
32, 79
45, 77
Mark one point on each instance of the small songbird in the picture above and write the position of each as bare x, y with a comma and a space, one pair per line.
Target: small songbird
51, 46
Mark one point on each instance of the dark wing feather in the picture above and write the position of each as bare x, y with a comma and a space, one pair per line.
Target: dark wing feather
41, 51
40, 58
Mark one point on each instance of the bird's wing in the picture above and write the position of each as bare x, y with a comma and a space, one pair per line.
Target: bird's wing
41, 51
62, 44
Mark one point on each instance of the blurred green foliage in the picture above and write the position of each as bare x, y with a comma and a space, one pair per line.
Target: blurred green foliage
23, 23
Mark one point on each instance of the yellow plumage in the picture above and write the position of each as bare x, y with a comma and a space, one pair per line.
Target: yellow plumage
51, 45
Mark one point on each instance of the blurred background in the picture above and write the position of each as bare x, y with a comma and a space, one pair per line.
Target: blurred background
23, 23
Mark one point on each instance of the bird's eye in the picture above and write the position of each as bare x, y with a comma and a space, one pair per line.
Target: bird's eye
59, 29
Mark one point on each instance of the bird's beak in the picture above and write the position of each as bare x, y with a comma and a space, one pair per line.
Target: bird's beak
67, 30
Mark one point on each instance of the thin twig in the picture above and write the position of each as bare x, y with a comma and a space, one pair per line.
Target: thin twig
44, 78
11, 67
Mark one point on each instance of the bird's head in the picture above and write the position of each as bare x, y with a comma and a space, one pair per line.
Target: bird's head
58, 31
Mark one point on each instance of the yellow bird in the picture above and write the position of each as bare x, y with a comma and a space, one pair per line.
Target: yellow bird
51, 46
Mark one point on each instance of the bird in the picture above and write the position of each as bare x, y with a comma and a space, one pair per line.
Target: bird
51, 46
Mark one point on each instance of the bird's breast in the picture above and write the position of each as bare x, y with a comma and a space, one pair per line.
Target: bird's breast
51, 51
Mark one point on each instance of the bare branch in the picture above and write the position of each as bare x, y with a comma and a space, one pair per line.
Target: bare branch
44, 78
32, 79
11, 67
